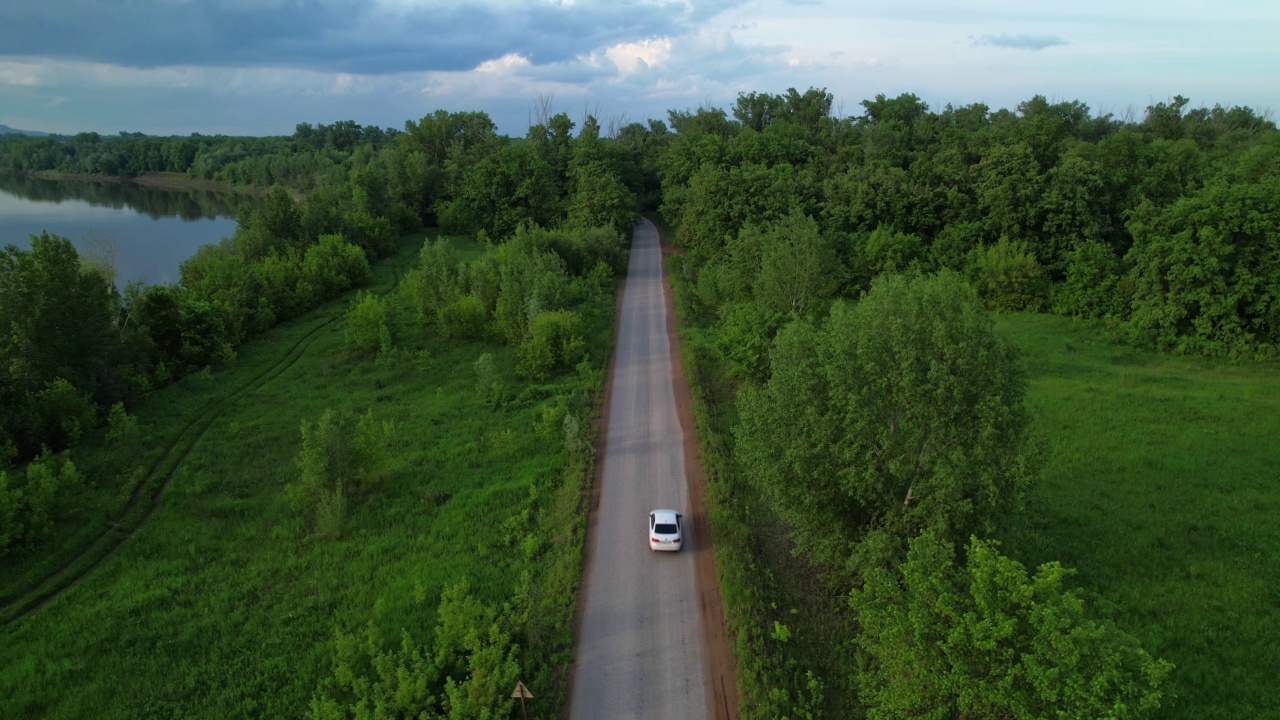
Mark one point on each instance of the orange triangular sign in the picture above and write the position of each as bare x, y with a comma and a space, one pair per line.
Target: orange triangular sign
521, 691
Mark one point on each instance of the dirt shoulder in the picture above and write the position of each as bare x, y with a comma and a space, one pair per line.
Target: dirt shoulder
720, 665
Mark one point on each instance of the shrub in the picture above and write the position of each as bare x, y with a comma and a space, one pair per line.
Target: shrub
744, 338
332, 266
1007, 276
340, 456
53, 488
10, 503
488, 381
464, 318
64, 413
555, 342
367, 328
1091, 288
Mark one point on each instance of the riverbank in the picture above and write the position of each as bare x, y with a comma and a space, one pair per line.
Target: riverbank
158, 180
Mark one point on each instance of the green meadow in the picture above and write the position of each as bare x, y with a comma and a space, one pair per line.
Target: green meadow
218, 603
1162, 489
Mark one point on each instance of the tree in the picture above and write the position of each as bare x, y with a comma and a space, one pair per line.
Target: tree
899, 413
799, 271
600, 199
985, 640
1205, 270
1009, 185
58, 321
340, 456
368, 330
432, 285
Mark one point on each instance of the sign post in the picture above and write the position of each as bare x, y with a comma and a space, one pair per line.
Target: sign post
522, 692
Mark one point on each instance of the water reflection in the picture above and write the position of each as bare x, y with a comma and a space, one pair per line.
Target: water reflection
147, 231
184, 203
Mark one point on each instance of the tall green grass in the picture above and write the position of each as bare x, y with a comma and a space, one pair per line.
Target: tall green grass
219, 605
1163, 490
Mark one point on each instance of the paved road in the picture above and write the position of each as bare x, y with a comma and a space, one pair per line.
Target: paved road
639, 652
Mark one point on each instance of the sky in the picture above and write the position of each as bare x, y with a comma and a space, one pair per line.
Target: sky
260, 67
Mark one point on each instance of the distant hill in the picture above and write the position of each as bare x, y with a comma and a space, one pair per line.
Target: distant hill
6, 130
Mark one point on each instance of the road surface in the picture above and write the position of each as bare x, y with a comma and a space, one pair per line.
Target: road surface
639, 650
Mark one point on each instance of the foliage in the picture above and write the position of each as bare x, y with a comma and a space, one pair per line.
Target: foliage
1205, 270
488, 382
1007, 276
11, 528
367, 326
900, 413
986, 640
554, 343
798, 269
340, 457
744, 338
59, 339
432, 285
1093, 284
464, 318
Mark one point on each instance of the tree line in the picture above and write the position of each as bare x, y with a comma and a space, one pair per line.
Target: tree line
1166, 226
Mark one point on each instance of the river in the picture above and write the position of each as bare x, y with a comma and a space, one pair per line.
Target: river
150, 231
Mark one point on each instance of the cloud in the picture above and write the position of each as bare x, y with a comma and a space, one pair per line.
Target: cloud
632, 56
1020, 42
352, 36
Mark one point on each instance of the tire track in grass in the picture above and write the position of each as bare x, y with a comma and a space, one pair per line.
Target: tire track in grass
136, 512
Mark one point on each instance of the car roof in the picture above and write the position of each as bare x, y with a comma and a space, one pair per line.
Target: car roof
663, 515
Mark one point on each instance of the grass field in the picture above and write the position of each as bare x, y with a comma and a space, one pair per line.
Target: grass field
1163, 490
220, 606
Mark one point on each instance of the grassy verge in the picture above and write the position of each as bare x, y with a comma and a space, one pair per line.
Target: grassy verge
219, 605
1161, 491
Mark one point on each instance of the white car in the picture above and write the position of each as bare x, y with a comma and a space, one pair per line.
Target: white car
666, 530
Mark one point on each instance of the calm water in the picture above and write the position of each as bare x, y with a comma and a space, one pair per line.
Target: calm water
152, 231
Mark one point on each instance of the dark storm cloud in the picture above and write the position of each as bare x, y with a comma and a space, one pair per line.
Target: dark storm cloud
357, 36
1020, 42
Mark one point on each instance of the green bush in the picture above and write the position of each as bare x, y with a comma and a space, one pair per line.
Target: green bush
367, 324
340, 458
1007, 276
464, 318
744, 338
332, 266
10, 504
1092, 287
555, 342
64, 414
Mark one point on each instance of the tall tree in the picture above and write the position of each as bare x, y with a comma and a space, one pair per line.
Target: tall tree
899, 413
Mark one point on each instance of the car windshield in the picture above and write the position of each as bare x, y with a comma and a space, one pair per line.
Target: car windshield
664, 529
